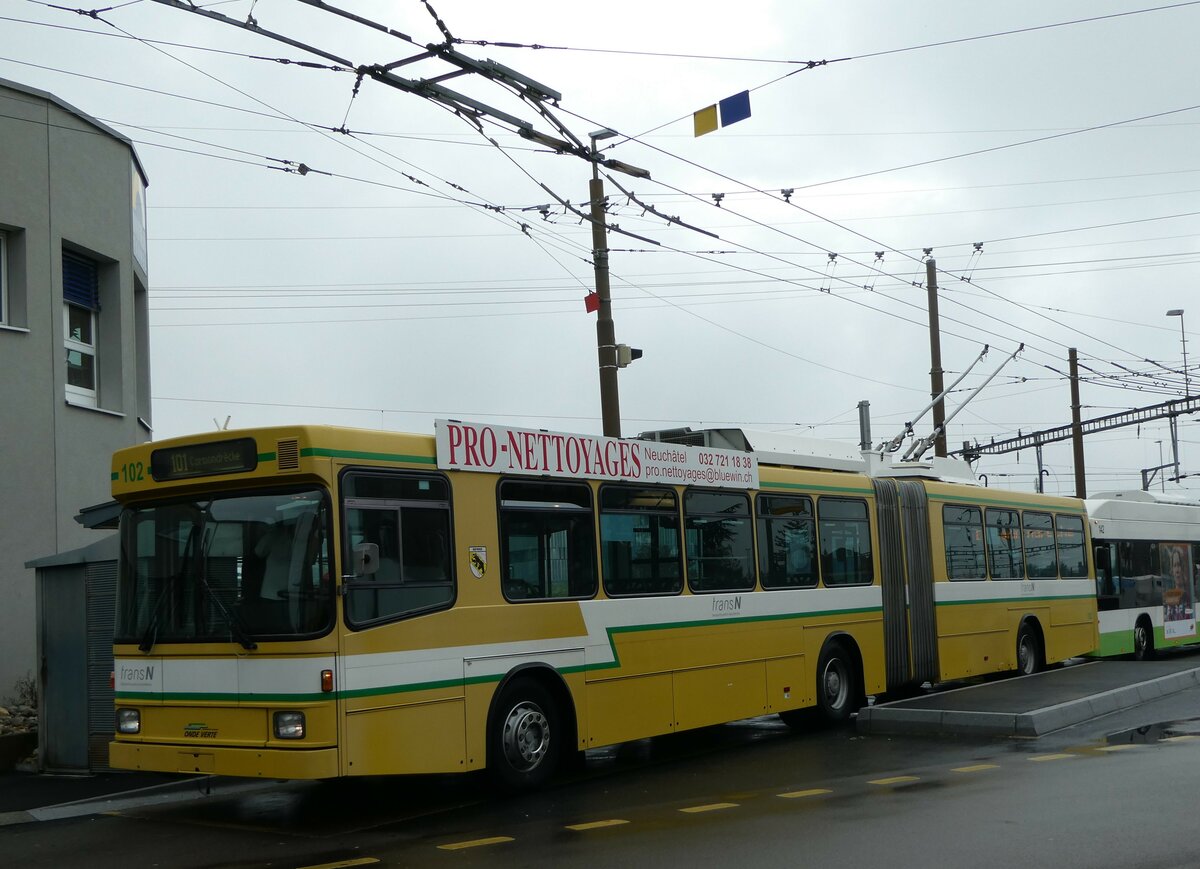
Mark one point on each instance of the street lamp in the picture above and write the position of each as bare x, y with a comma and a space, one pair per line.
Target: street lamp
606, 336
1178, 312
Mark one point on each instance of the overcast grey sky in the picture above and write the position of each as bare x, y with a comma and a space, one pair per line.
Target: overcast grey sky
418, 278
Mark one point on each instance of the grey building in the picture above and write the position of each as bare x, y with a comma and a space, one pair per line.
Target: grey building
74, 338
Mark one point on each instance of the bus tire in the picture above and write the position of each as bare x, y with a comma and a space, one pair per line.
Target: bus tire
1143, 639
1029, 651
523, 744
837, 684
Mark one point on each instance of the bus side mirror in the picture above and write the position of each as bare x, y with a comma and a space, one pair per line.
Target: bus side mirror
1102, 558
366, 559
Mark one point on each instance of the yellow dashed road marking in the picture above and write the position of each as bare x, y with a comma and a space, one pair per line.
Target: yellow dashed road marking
475, 843
811, 792
1186, 737
1037, 758
1120, 747
341, 864
894, 780
596, 825
711, 807
978, 767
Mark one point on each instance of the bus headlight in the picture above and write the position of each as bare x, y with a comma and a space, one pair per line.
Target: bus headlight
289, 725
129, 721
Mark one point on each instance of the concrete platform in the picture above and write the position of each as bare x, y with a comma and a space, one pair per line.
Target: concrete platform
1030, 706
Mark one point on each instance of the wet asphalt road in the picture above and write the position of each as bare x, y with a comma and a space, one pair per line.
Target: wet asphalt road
748, 794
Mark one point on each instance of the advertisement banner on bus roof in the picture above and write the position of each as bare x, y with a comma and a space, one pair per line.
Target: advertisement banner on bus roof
471, 446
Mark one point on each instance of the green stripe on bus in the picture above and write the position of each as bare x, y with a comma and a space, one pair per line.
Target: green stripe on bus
224, 697
481, 680
805, 487
321, 452
987, 600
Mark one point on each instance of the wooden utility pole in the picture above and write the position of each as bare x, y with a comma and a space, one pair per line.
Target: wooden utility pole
1077, 428
935, 358
606, 338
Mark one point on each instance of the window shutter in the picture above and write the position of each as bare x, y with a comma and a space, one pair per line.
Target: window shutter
81, 285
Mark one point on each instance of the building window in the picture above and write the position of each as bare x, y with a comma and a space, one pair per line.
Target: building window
81, 305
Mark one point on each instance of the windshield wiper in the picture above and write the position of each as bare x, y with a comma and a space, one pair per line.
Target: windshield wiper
150, 637
235, 628
231, 621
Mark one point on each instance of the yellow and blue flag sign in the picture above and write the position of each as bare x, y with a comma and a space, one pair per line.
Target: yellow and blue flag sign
728, 111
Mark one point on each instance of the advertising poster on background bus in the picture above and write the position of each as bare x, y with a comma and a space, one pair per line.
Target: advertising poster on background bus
470, 446
1179, 607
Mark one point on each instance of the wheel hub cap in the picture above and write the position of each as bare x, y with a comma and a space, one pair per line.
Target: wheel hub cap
526, 736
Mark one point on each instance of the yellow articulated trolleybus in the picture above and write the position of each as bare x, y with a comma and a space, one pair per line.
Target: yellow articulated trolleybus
314, 602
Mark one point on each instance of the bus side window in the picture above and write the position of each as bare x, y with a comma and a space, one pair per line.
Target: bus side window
719, 539
962, 528
1037, 531
640, 546
1005, 555
547, 540
844, 530
397, 545
1072, 557
787, 541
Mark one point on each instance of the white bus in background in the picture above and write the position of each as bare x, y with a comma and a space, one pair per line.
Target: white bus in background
1147, 549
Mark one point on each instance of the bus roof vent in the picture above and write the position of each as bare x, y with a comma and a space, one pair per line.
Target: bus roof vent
287, 454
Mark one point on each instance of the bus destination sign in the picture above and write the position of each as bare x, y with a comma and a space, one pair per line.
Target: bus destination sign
469, 446
204, 460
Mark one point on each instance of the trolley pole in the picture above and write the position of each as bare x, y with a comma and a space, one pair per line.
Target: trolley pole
606, 335
935, 358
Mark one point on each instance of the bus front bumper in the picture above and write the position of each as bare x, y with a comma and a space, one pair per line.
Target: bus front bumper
214, 760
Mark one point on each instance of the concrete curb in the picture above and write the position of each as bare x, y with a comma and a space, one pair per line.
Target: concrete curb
894, 719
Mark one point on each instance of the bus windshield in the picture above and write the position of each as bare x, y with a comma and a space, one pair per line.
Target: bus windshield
236, 568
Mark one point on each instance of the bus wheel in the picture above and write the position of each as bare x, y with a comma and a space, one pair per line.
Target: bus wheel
1029, 651
523, 744
837, 684
1143, 640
